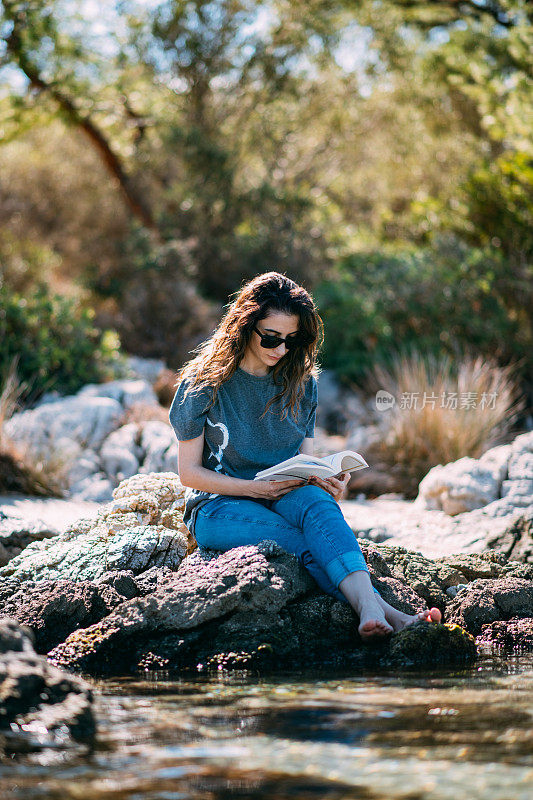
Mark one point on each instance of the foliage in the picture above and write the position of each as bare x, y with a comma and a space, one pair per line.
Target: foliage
439, 300
427, 426
55, 343
192, 145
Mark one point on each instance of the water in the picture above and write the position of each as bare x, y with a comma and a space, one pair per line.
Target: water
452, 734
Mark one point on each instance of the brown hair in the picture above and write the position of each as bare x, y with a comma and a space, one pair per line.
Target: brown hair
219, 356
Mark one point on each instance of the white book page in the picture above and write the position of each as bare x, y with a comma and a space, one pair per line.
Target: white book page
345, 461
300, 459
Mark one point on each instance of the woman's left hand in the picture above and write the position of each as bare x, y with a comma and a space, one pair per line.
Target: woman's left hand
334, 486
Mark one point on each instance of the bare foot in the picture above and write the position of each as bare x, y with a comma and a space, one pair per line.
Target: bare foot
372, 624
399, 620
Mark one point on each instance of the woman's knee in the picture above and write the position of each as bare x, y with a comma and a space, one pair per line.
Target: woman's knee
310, 494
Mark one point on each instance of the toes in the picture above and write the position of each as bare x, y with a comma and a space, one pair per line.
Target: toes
374, 627
433, 615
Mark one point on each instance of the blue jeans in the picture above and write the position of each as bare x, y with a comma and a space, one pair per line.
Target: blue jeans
306, 521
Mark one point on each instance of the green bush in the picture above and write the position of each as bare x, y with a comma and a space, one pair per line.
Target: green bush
53, 343
449, 300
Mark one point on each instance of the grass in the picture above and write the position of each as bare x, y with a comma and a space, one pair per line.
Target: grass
414, 439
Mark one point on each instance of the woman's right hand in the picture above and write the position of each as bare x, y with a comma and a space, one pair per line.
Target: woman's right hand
270, 490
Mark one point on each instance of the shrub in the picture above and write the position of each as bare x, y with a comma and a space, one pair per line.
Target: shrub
423, 428
55, 343
438, 301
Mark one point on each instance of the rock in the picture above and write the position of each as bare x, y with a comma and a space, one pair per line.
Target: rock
122, 581
95, 488
514, 635
125, 392
499, 482
159, 447
486, 601
467, 568
496, 461
398, 594
16, 533
458, 487
521, 465
54, 609
363, 437
85, 420
249, 606
148, 369
419, 573
429, 643
339, 409
120, 453
141, 528
40, 705
83, 467
516, 542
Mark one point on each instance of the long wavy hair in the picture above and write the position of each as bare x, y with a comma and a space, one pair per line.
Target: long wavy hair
219, 356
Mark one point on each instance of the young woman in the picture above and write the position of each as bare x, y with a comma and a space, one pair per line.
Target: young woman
247, 401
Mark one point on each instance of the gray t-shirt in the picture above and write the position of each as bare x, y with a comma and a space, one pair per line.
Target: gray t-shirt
236, 441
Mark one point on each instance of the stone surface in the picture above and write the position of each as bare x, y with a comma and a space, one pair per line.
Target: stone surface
85, 420
16, 533
141, 528
485, 601
514, 635
458, 487
500, 481
255, 602
516, 542
54, 609
125, 392
40, 705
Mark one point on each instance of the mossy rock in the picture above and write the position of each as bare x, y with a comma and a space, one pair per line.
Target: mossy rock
432, 643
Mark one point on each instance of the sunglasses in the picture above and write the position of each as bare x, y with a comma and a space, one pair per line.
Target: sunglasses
269, 341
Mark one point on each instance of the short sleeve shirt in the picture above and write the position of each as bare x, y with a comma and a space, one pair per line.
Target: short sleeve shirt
236, 441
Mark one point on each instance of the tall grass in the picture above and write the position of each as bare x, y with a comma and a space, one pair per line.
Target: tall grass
22, 469
417, 436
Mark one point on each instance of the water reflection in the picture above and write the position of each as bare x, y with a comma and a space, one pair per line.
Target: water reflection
457, 733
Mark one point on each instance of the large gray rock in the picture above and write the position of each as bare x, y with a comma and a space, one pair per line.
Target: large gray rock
243, 606
500, 482
141, 528
83, 420
458, 487
40, 705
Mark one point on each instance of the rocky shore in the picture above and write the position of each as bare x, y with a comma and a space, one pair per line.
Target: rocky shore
121, 587
129, 590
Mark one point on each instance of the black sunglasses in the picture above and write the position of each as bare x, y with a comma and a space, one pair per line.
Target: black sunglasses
270, 341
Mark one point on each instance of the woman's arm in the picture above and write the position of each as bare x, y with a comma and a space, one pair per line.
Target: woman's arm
193, 474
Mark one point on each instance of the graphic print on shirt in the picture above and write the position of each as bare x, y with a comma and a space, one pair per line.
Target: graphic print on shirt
221, 447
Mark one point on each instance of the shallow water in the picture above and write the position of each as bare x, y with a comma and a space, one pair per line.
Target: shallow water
447, 733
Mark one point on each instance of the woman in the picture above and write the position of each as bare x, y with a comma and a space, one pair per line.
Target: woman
247, 401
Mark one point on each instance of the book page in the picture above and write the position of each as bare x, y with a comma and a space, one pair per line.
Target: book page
345, 461
300, 459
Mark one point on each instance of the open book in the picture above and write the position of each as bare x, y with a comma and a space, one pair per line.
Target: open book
303, 466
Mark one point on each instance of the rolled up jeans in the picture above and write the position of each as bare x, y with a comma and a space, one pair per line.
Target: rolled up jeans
306, 521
